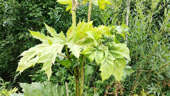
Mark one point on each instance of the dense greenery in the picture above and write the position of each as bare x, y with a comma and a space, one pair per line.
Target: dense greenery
148, 41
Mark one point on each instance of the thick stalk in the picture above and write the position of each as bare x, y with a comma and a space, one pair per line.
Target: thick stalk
74, 5
89, 10
82, 76
127, 17
116, 89
76, 75
76, 70
66, 85
128, 12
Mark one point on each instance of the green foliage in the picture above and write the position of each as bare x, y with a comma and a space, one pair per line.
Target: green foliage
42, 89
45, 53
149, 49
143, 93
85, 37
148, 43
17, 16
66, 2
4, 91
101, 3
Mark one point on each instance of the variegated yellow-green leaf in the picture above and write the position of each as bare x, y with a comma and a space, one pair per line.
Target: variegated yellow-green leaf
80, 36
68, 3
51, 30
44, 53
96, 54
79, 39
84, 39
102, 3
75, 49
40, 36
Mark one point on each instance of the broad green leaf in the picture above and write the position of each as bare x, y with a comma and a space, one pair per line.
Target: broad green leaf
115, 68
66, 63
39, 36
28, 58
61, 37
44, 53
66, 2
99, 57
90, 53
92, 56
47, 67
102, 3
86, 34
51, 30
95, 54
42, 89
119, 50
105, 30
75, 49
80, 37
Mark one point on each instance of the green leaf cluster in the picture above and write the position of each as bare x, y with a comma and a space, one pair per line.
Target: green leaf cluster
96, 43
101, 3
68, 3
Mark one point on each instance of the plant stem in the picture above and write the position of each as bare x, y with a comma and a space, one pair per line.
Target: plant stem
77, 87
82, 77
118, 88
128, 12
76, 70
74, 5
89, 10
127, 17
67, 92
76, 75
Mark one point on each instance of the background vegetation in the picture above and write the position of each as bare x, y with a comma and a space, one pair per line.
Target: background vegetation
148, 41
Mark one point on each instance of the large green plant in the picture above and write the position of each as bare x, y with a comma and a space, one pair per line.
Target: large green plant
26, 15
81, 43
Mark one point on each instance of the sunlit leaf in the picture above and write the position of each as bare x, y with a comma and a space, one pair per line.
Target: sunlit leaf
102, 3
115, 68
44, 53
120, 51
80, 37
39, 36
75, 49
51, 30
66, 2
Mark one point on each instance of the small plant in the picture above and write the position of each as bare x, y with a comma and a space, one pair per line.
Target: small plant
82, 43
143, 93
4, 91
